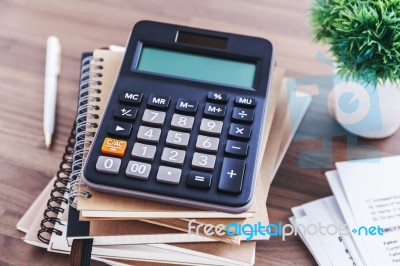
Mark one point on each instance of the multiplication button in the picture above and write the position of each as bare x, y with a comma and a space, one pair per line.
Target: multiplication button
240, 131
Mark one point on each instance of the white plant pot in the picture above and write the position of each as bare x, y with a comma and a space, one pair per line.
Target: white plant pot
366, 111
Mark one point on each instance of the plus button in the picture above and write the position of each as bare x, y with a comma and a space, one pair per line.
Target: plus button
231, 173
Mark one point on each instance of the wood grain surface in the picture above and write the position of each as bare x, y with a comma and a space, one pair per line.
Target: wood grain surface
26, 165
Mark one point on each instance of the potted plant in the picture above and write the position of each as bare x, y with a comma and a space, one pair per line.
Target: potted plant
363, 38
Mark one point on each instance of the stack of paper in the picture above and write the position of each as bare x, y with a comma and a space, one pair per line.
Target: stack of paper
360, 223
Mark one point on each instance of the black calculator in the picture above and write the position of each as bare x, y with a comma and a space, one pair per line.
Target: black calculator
184, 122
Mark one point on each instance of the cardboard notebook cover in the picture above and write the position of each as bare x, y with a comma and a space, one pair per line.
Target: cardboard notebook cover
112, 206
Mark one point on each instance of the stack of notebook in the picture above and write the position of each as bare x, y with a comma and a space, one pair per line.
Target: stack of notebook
123, 230
360, 223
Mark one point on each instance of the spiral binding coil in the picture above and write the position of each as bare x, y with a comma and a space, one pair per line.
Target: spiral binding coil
72, 159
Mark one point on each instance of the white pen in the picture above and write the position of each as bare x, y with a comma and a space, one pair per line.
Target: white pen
53, 65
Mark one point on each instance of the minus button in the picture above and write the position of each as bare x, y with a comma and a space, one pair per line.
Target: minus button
237, 148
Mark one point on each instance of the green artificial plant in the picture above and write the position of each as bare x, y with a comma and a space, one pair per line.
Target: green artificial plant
363, 37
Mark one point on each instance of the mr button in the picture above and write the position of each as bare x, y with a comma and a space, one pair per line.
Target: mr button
114, 147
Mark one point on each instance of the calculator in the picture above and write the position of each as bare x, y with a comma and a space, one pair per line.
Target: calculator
184, 122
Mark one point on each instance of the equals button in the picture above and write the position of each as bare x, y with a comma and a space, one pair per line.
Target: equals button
236, 148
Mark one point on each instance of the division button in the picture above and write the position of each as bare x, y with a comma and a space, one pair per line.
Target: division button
199, 179
138, 170
114, 147
125, 112
131, 97
169, 175
157, 101
236, 148
120, 129
217, 97
215, 110
108, 165
186, 106
245, 101
231, 177
240, 131
243, 115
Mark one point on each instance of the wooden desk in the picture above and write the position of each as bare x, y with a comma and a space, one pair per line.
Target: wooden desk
26, 165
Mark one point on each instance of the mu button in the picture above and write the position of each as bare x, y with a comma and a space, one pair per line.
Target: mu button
120, 129
115, 147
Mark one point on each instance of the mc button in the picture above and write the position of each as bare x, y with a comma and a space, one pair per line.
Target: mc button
131, 97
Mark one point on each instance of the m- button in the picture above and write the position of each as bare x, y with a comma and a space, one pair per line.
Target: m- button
186, 106
161, 102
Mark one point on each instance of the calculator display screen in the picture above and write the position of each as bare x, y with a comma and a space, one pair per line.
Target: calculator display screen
197, 66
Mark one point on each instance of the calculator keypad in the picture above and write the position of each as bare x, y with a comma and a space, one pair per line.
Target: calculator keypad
180, 127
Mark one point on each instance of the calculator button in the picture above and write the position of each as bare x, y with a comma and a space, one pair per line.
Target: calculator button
242, 115
231, 177
182, 122
203, 161
152, 117
172, 156
236, 148
186, 106
178, 139
199, 179
125, 112
244, 101
138, 170
114, 147
158, 101
120, 129
211, 127
108, 165
143, 151
217, 97
215, 110
131, 97
149, 134
240, 131
169, 175
208, 144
